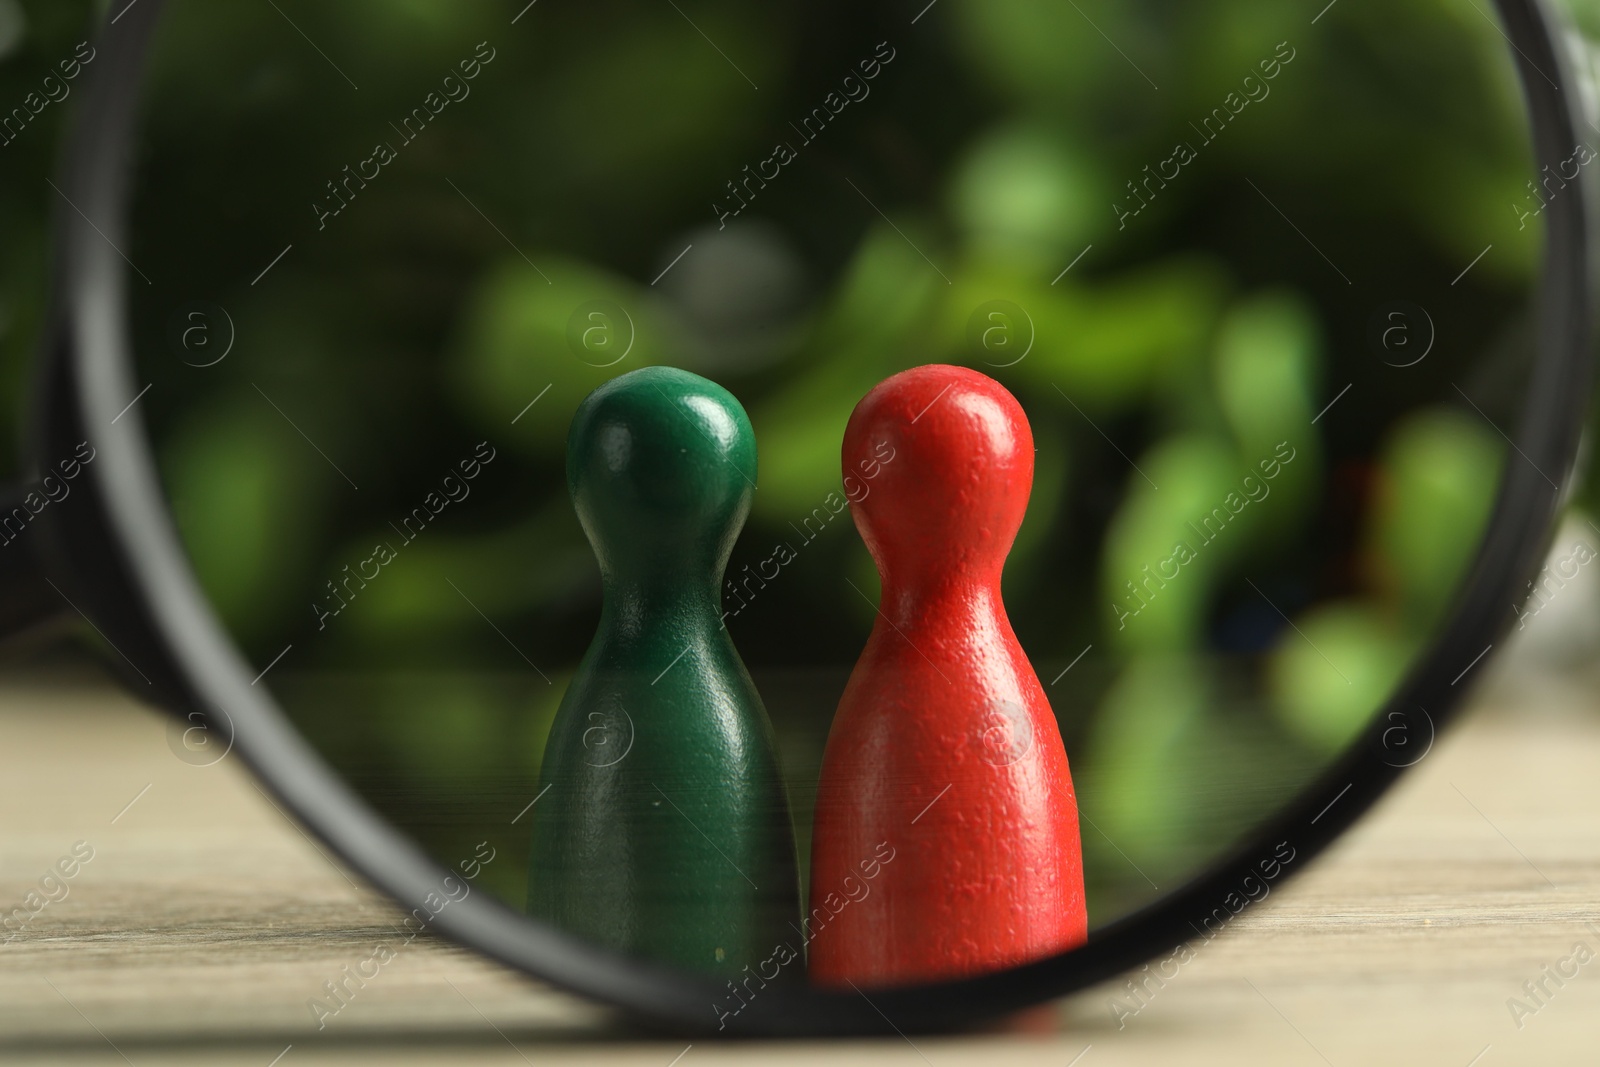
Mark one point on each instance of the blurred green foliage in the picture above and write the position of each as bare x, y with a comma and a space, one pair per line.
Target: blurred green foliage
454, 301
1439, 469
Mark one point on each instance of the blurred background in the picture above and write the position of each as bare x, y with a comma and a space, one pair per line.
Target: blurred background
1260, 276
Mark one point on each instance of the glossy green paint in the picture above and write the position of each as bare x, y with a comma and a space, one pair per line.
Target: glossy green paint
665, 831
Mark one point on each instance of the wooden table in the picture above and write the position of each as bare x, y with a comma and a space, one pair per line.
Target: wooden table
205, 921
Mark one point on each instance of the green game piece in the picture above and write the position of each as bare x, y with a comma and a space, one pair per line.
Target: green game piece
665, 831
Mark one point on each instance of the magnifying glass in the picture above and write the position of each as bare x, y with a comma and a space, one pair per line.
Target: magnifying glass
1295, 304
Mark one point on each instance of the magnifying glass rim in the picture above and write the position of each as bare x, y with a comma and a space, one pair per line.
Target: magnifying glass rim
89, 378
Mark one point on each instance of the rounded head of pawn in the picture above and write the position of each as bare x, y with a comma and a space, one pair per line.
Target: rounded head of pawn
938, 465
661, 465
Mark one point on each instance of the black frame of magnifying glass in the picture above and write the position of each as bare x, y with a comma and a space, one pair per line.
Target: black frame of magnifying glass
112, 553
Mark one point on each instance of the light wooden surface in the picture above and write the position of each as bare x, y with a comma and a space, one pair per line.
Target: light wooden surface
206, 920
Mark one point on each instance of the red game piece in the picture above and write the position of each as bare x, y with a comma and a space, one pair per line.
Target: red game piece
946, 840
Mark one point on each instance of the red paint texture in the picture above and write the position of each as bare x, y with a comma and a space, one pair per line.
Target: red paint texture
944, 746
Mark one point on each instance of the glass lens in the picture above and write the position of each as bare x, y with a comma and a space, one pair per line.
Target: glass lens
42, 53
1259, 282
